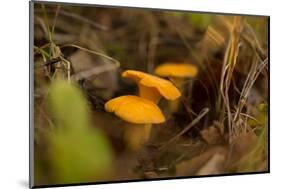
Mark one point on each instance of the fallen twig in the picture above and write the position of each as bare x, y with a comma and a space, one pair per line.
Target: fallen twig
187, 128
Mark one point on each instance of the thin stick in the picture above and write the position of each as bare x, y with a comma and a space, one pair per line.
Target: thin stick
229, 63
96, 70
41, 51
91, 72
254, 73
93, 52
55, 19
47, 22
68, 67
187, 128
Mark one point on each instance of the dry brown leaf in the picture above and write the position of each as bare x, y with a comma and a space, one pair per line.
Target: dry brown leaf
191, 167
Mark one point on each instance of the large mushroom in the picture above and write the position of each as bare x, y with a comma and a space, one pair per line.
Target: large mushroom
142, 113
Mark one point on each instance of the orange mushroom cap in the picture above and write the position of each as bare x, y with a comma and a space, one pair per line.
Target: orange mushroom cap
153, 87
176, 70
135, 109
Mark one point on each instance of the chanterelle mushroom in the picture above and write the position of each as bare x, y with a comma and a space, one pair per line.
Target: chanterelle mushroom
176, 72
142, 112
179, 70
135, 109
152, 87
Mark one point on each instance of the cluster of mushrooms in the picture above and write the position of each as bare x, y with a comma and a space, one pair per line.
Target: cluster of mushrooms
142, 111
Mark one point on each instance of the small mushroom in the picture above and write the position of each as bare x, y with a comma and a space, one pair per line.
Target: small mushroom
176, 72
153, 87
139, 111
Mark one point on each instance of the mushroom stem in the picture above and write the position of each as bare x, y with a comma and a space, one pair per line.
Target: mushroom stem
149, 93
137, 135
179, 83
153, 95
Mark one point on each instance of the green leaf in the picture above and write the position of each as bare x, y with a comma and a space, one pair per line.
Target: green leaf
67, 105
76, 152
80, 156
